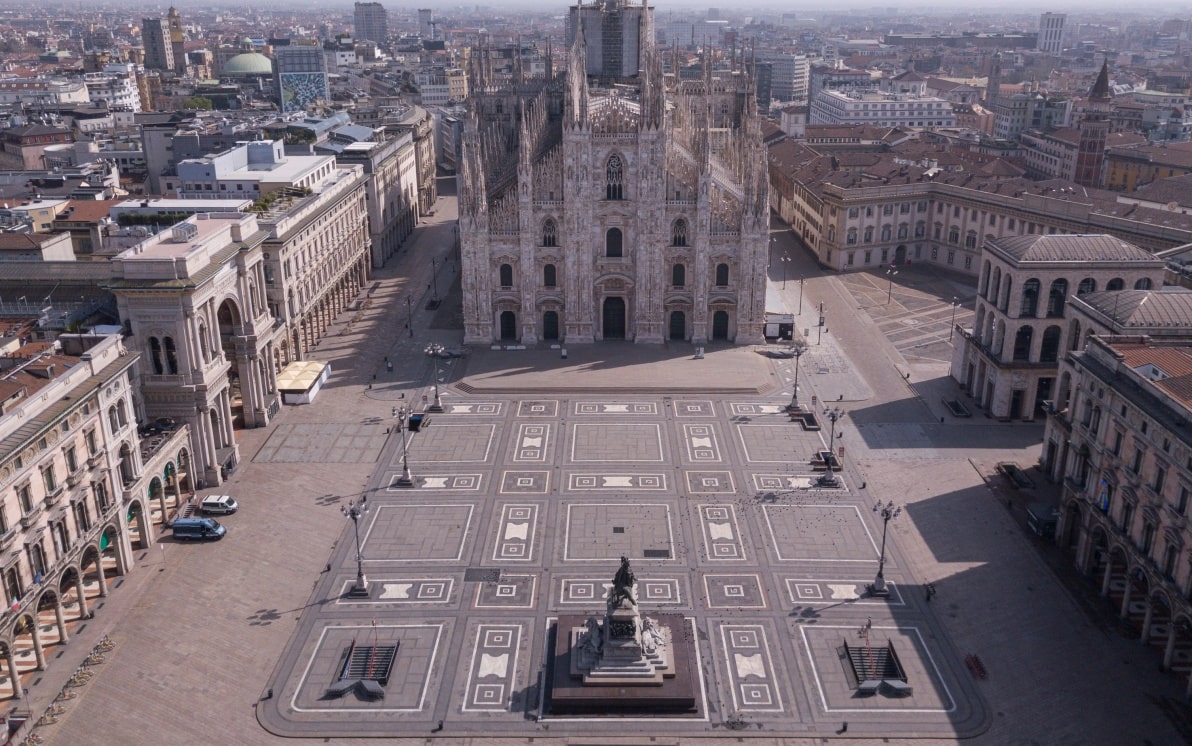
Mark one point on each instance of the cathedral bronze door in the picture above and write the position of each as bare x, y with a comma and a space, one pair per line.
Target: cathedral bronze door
508, 325
678, 325
720, 325
614, 318
550, 325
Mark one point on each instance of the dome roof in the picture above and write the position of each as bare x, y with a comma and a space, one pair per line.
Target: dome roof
249, 63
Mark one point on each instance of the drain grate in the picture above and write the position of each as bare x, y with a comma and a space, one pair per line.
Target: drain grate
618, 529
482, 575
656, 553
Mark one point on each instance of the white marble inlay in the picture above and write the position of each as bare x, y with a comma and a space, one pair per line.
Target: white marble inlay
718, 531
749, 665
843, 591
397, 590
493, 665
516, 531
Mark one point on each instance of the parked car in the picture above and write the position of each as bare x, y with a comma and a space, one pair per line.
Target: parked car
198, 529
218, 505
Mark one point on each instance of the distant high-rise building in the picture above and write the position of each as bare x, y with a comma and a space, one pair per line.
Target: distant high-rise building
1051, 32
426, 23
301, 75
372, 22
612, 32
159, 51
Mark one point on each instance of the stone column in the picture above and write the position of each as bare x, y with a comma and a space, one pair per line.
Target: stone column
79, 591
63, 636
38, 652
1169, 647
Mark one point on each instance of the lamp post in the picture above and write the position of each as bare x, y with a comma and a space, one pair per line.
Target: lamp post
890, 288
786, 260
952, 323
354, 511
801, 295
410, 315
402, 414
828, 478
434, 282
887, 511
798, 353
435, 350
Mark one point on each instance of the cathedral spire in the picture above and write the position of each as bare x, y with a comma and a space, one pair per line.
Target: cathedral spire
1100, 90
577, 80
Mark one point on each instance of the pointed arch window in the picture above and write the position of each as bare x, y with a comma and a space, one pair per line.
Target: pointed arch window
506, 275
678, 275
549, 235
614, 178
548, 276
679, 233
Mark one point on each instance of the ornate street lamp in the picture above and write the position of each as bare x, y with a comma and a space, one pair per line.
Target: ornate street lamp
355, 511
828, 478
887, 511
436, 352
794, 405
403, 415
890, 288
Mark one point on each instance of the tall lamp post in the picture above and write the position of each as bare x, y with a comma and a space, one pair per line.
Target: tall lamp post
828, 478
890, 288
786, 260
887, 511
434, 280
355, 510
410, 315
952, 323
435, 351
798, 353
402, 414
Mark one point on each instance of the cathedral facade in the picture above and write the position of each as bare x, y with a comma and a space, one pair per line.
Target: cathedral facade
611, 201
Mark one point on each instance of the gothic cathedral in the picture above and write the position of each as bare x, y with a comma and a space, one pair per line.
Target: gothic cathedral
613, 201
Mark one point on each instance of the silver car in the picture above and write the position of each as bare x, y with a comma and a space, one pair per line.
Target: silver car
218, 505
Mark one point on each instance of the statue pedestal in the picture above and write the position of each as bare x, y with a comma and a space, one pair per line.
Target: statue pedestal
623, 673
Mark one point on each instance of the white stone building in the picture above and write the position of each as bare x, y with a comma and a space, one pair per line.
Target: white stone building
1127, 484
1008, 362
79, 488
612, 202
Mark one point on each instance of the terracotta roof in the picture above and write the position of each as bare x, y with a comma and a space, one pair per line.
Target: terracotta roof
87, 210
1177, 189
1071, 248
1175, 362
26, 241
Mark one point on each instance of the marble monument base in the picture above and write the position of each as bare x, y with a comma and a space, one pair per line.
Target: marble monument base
580, 683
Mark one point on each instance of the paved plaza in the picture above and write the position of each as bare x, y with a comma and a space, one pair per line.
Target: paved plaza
540, 473
521, 510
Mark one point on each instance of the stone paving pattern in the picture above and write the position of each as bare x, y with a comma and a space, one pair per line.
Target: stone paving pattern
214, 640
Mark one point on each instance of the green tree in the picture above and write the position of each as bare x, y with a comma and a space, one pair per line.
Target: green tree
198, 102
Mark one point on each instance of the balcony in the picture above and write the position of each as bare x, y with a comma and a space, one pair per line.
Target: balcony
30, 518
94, 459
7, 538
73, 478
53, 495
1174, 517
